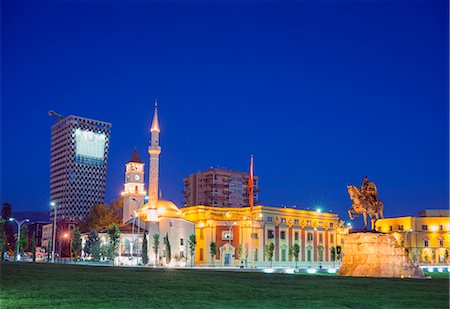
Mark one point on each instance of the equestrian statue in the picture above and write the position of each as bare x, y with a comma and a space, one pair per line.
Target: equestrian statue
365, 202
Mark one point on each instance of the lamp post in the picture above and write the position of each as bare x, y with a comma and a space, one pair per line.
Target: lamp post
19, 225
66, 237
53, 204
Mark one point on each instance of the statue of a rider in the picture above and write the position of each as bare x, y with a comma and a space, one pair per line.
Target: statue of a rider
365, 202
369, 191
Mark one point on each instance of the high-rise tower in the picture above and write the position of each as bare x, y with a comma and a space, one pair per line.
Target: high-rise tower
78, 165
154, 150
134, 192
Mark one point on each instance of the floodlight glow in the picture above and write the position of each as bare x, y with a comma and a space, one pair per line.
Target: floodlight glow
289, 271
319, 210
11, 219
52, 204
311, 270
331, 270
90, 144
430, 269
440, 270
152, 215
268, 270
349, 224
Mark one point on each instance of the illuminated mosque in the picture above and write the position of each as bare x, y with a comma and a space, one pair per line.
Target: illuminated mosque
147, 211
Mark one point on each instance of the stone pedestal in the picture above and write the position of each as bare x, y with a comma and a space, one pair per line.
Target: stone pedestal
371, 254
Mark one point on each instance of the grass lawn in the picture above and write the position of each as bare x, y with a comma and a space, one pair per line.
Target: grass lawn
26, 285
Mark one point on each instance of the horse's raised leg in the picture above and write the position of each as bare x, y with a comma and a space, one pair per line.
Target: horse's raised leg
350, 214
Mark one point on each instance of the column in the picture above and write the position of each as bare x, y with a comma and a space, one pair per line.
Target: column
315, 244
302, 238
277, 243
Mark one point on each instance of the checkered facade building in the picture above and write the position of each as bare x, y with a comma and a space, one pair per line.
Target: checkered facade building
76, 182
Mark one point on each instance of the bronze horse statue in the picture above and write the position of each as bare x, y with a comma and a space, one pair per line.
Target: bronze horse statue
365, 204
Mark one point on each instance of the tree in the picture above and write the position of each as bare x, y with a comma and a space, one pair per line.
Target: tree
168, 253
290, 253
92, 238
156, 246
192, 242
76, 243
105, 251
96, 245
333, 255
48, 250
33, 246
100, 217
3, 240
338, 253
242, 253
213, 251
8, 227
114, 240
23, 241
269, 249
144, 250
296, 253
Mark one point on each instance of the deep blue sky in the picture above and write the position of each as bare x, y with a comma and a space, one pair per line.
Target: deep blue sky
321, 93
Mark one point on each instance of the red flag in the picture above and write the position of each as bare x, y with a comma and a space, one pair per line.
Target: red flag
250, 184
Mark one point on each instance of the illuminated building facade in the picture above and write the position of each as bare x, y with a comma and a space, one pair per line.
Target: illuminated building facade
426, 238
219, 187
78, 165
158, 216
231, 229
134, 192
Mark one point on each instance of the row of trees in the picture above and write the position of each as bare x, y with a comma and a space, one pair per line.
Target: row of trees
293, 253
97, 250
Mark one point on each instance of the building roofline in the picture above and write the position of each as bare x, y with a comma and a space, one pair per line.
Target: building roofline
108, 124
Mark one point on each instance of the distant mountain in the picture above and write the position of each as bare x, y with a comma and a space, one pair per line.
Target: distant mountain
32, 215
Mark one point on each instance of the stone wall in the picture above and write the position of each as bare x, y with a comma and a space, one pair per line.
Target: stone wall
371, 254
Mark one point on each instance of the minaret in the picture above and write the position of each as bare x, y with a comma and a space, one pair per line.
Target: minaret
154, 150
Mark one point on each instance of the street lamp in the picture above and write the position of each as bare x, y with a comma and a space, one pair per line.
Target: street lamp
53, 204
67, 236
19, 225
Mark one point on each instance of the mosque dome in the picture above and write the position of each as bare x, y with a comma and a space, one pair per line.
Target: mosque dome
168, 209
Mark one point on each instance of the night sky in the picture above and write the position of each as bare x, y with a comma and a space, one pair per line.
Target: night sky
322, 93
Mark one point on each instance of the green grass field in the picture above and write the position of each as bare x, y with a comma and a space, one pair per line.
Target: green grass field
71, 286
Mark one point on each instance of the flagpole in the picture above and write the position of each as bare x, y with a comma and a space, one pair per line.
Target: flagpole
251, 210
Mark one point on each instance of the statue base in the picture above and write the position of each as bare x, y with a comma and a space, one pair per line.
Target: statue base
376, 255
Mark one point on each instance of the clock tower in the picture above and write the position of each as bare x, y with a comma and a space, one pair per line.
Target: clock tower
134, 192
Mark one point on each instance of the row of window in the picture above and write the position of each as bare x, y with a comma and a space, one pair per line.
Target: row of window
296, 221
271, 235
424, 227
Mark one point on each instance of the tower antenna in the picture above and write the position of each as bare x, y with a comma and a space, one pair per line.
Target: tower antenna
52, 113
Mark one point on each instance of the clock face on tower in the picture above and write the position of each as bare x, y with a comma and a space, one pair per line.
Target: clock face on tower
136, 177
